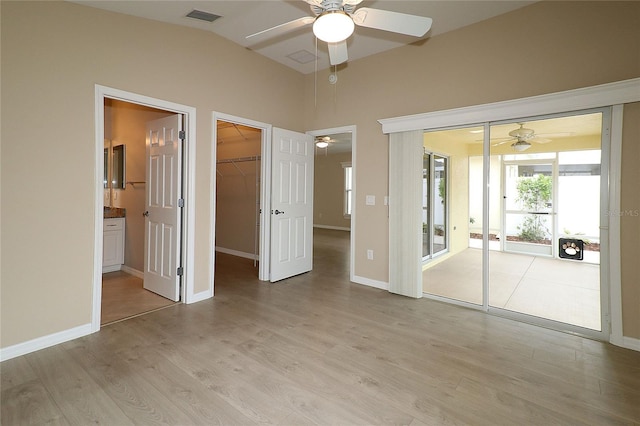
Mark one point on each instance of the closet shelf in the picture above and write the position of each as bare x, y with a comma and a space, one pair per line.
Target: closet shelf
238, 159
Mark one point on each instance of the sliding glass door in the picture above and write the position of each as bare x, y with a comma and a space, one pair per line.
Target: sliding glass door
452, 215
512, 218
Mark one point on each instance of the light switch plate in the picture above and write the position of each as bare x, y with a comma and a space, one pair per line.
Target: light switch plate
370, 200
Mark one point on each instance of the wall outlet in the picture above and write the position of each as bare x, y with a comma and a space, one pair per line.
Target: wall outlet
370, 254
370, 200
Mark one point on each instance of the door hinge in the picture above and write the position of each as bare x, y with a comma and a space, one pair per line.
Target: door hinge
182, 134
180, 202
180, 271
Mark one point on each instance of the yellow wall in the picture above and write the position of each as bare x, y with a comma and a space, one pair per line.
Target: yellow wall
53, 53
474, 65
458, 196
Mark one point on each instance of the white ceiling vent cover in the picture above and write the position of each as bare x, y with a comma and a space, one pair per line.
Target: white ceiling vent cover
203, 16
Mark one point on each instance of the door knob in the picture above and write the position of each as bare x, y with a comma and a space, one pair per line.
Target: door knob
146, 213
279, 212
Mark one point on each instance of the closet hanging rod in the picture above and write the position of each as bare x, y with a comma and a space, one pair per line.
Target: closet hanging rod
238, 160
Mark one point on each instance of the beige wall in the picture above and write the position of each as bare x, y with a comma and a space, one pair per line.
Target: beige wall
53, 54
328, 190
478, 64
630, 221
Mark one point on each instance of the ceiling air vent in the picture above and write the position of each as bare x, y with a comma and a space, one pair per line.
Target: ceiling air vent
302, 56
203, 16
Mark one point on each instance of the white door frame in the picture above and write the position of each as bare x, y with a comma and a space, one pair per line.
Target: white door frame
264, 256
347, 129
189, 156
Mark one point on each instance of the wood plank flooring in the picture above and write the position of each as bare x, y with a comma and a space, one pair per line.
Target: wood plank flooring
317, 349
124, 296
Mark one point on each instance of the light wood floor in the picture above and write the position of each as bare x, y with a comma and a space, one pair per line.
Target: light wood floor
124, 296
316, 349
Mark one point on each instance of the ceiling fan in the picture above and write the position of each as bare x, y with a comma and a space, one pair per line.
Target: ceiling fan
521, 138
334, 21
324, 141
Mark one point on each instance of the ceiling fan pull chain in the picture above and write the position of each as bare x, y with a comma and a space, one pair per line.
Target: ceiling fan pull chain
335, 86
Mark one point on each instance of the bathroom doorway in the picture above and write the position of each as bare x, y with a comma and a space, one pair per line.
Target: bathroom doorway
182, 193
124, 292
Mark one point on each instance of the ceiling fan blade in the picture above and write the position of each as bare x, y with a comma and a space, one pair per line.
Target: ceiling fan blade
540, 140
338, 52
281, 29
401, 23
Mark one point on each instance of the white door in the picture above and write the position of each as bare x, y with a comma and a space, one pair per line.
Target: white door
163, 218
291, 204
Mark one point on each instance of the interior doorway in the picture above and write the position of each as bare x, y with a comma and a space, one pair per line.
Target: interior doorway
238, 189
115, 188
335, 183
125, 292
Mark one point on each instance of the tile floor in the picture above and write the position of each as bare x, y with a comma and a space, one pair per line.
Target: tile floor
560, 290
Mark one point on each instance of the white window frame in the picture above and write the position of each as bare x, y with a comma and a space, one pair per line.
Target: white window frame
348, 190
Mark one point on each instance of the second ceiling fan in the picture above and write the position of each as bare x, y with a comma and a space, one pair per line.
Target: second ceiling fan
334, 21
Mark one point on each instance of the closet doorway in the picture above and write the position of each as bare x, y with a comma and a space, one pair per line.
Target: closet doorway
238, 190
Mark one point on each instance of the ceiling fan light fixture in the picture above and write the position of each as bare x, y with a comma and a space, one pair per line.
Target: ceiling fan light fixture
333, 26
322, 144
521, 146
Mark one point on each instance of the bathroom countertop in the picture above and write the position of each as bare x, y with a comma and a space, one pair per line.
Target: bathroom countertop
113, 212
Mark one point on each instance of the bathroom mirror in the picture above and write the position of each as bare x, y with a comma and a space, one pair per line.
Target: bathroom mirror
118, 167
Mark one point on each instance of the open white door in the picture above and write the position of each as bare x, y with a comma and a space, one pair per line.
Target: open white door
291, 204
163, 219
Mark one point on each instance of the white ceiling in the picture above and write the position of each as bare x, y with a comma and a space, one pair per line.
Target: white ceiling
243, 17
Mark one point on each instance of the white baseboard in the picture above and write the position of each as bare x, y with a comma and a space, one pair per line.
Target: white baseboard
199, 297
237, 253
335, 228
631, 343
111, 268
44, 342
129, 270
371, 283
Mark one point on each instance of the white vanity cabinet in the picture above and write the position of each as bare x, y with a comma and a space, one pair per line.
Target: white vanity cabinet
113, 244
